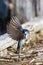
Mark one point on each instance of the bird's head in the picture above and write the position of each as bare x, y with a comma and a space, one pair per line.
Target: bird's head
25, 31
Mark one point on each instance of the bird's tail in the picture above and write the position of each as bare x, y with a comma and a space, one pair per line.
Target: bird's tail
18, 46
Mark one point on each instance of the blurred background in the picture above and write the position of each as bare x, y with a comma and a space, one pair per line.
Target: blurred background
25, 10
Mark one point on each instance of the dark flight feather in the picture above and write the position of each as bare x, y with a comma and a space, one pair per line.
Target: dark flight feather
14, 29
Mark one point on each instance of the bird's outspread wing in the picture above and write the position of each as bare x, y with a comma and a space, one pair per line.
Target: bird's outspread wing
14, 29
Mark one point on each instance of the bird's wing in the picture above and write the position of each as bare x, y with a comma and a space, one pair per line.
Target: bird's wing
16, 23
14, 29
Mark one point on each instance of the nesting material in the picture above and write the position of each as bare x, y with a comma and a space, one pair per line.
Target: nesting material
3, 53
42, 32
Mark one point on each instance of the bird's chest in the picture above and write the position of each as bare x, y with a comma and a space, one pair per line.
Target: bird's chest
22, 41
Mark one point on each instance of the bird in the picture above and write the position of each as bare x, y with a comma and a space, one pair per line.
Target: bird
15, 30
